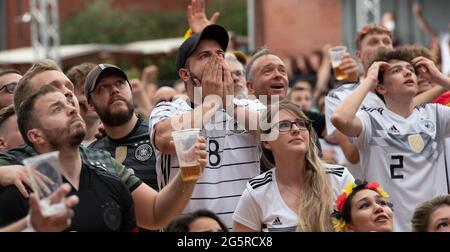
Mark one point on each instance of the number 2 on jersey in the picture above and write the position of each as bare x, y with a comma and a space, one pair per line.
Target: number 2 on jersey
398, 165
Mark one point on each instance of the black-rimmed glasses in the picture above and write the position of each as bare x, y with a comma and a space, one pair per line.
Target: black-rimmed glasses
286, 125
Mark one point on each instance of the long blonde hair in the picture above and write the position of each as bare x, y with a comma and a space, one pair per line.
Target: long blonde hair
316, 201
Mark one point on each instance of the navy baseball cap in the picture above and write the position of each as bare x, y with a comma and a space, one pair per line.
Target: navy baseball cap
93, 77
215, 32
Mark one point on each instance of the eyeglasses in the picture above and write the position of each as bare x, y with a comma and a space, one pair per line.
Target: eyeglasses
286, 125
238, 73
10, 87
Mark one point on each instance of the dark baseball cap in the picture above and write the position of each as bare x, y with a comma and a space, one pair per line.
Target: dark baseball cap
93, 77
215, 32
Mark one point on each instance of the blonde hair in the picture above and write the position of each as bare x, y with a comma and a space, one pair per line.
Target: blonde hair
316, 201
24, 89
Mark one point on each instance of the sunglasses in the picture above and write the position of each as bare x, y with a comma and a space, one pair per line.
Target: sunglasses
10, 87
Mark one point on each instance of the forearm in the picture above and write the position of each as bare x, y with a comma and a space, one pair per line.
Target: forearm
15, 227
172, 200
428, 96
323, 77
425, 26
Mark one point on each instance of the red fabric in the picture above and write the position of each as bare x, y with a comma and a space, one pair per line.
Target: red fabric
443, 99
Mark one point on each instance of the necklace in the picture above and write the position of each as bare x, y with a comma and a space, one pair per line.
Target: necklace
286, 188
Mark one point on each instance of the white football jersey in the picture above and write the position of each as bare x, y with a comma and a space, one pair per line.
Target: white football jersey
233, 160
405, 155
337, 95
262, 207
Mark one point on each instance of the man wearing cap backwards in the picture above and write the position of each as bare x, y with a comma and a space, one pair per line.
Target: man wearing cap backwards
127, 138
232, 157
153, 209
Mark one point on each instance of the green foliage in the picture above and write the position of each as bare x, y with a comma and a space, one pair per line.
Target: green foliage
233, 15
102, 23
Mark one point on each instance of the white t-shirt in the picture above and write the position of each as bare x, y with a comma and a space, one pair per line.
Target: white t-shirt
333, 100
262, 208
233, 160
337, 95
405, 155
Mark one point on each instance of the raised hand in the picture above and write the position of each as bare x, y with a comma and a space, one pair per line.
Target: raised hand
141, 100
350, 67
58, 222
197, 16
15, 175
428, 70
212, 78
373, 72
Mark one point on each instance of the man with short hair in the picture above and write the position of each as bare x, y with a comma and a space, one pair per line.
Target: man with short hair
127, 138
238, 73
301, 96
401, 145
10, 137
49, 122
233, 156
153, 209
266, 76
8, 82
77, 75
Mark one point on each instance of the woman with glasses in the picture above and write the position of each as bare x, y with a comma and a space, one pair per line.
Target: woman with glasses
298, 194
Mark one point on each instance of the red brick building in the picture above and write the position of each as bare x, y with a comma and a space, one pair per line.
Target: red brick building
296, 26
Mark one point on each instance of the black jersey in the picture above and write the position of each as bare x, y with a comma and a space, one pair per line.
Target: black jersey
105, 203
133, 151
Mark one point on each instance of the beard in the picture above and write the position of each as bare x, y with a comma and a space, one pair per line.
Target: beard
75, 136
117, 118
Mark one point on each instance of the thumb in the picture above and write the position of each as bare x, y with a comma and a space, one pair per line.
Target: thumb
35, 209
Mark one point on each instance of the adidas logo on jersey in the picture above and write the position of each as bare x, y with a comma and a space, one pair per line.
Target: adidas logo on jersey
277, 222
393, 130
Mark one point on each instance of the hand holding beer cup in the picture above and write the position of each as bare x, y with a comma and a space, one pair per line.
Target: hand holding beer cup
190, 149
336, 55
350, 67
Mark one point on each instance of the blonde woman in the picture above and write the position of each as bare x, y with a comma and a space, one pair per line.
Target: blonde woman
298, 194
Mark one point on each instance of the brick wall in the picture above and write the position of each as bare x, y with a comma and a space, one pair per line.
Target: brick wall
299, 26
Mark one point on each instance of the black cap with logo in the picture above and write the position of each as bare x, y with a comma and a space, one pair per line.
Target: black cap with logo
214, 32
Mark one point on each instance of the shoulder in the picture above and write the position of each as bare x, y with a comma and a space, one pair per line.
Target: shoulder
98, 160
98, 142
263, 179
335, 170
373, 110
341, 91
177, 104
255, 105
17, 155
164, 110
